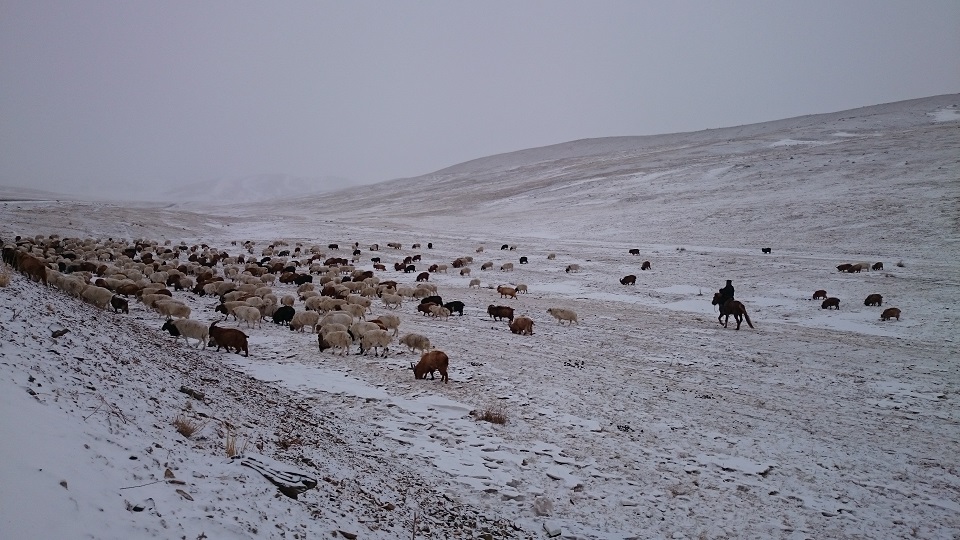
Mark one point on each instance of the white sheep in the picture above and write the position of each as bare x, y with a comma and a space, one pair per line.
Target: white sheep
313, 303
227, 308
150, 300
338, 339
247, 314
359, 328
440, 312
97, 296
521, 288
337, 317
475, 282
442, 268
374, 339
288, 300
392, 301
563, 315
390, 322
330, 327
573, 268
506, 267
415, 342
360, 301
172, 308
355, 310
189, 328
303, 319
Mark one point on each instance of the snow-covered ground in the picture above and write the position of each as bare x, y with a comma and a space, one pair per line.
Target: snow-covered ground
647, 419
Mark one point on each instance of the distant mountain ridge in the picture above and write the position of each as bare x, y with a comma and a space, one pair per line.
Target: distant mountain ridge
254, 188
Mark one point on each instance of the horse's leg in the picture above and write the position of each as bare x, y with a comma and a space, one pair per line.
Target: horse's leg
739, 319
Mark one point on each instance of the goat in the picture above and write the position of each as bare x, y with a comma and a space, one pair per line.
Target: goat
429, 362
228, 338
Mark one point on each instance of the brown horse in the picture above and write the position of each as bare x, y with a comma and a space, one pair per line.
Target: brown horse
731, 307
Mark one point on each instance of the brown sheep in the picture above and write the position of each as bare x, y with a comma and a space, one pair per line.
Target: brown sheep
507, 292
873, 300
820, 295
500, 312
645, 265
425, 308
33, 268
228, 338
423, 276
431, 361
890, 313
628, 280
831, 302
522, 326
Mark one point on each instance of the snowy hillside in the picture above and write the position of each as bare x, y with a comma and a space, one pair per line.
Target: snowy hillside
646, 419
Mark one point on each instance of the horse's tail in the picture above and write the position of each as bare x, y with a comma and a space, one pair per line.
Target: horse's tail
747, 317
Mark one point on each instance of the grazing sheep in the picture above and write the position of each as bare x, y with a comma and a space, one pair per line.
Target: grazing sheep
359, 328
439, 312
856, 268
563, 315
304, 319
188, 328
890, 313
551, 256
429, 362
635, 251
389, 322
337, 317
843, 267
628, 280
873, 300
455, 307
645, 265
507, 292
766, 250
573, 268
506, 267
425, 307
374, 339
464, 271
288, 300
415, 342
227, 308
228, 338
423, 276
487, 265
442, 268
877, 266
820, 295
247, 314
392, 301
831, 302
522, 326
338, 339
521, 288
174, 308
500, 312
475, 282
97, 296
324, 329
356, 311
119, 305
283, 315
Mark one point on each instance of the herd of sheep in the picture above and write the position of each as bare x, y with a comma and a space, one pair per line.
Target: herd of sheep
300, 288
328, 296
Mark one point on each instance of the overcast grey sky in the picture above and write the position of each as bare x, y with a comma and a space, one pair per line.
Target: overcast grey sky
97, 94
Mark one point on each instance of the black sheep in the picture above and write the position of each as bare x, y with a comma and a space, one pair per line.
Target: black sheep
284, 315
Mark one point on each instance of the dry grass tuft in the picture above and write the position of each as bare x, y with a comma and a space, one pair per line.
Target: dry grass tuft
187, 426
495, 415
232, 449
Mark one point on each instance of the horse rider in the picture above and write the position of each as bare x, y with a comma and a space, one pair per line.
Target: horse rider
727, 292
